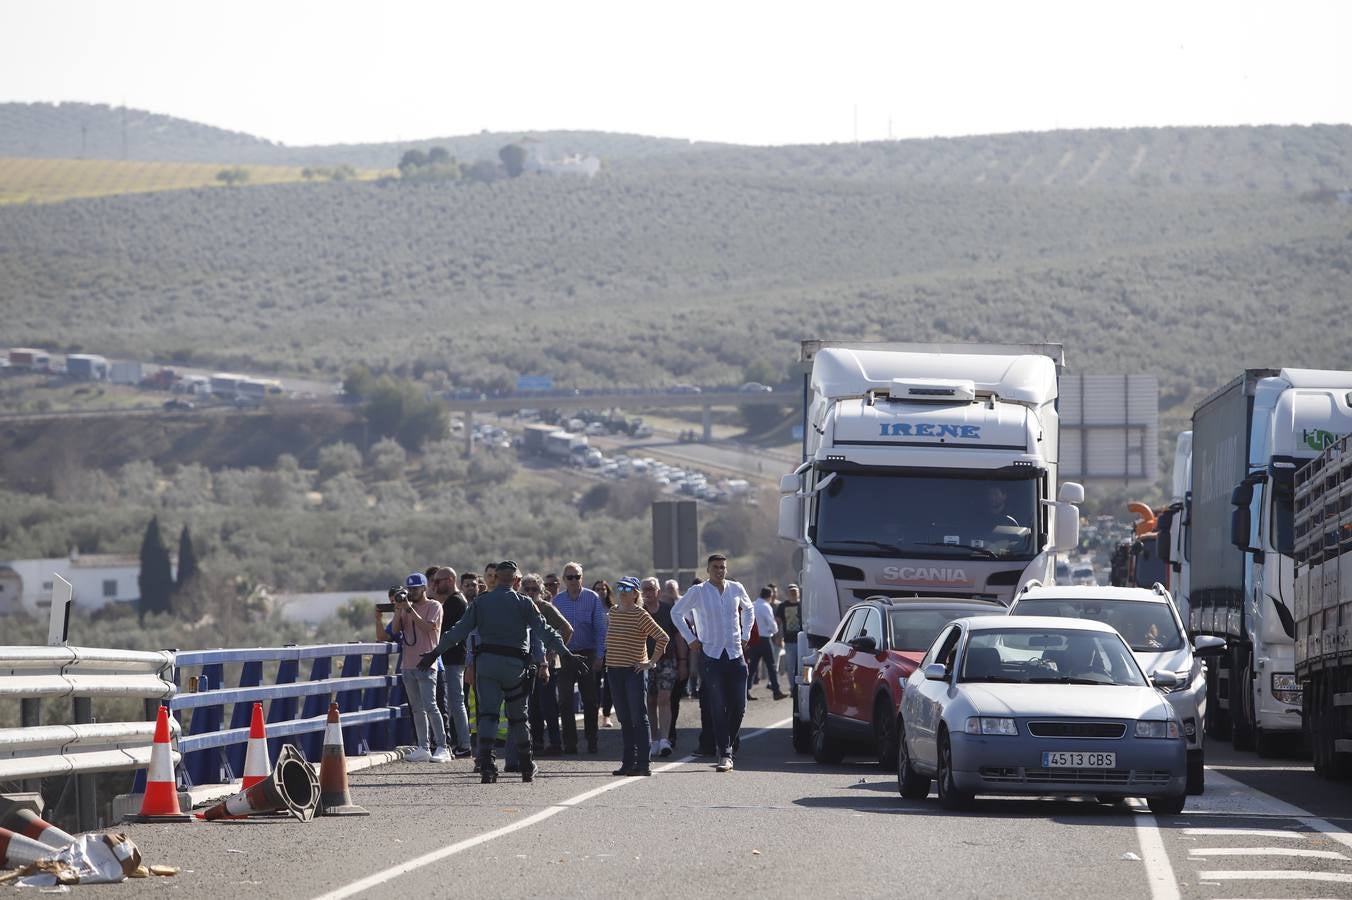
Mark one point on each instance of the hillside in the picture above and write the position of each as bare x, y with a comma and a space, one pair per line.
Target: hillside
636, 278
95, 131
39, 180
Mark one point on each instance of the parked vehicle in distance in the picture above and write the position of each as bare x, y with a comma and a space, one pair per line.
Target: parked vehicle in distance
1036, 705
1152, 626
1082, 575
686, 389
755, 387
853, 691
175, 403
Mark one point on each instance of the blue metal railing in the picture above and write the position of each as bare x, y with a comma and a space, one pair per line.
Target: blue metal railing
369, 695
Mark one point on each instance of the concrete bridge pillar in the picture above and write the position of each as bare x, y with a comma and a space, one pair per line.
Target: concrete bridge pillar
708, 423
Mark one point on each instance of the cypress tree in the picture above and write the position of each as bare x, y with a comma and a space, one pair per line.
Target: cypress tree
187, 558
156, 577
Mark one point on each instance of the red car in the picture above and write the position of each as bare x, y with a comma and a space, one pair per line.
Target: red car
857, 681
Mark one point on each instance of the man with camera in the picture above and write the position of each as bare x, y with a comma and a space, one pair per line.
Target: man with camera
417, 621
504, 670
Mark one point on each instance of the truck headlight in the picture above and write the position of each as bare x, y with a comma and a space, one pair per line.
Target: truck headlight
1155, 729
991, 725
1285, 687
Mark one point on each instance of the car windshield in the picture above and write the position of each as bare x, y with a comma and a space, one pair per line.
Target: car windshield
1147, 627
928, 516
913, 630
1049, 656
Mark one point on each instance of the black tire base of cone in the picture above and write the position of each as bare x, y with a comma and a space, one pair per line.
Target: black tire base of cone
143, 820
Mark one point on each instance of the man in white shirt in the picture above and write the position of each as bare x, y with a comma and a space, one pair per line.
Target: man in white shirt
723, 615
763, 651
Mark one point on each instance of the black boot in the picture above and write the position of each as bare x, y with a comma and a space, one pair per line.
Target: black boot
528, 767
488, 769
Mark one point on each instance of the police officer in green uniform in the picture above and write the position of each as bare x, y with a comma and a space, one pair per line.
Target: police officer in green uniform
503, 669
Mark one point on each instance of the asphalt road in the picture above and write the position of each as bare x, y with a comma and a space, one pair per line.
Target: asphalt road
779, 825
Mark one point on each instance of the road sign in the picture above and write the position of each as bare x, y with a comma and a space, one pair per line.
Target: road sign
58, 621
534, 383
676, 539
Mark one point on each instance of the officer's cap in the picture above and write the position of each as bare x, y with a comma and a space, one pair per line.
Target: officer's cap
506, 566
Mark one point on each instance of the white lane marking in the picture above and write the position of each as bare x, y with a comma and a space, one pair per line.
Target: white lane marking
1159, 873
427, 859
1265, 851
1237, 798
1246, 832
1274, 875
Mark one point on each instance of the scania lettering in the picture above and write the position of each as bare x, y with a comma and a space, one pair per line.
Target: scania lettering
928, 470
1248, 439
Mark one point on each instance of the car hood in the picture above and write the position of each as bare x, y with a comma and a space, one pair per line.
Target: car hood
1179, 660
1072, 700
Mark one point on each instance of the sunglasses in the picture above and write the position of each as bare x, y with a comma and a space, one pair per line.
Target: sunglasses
572, 578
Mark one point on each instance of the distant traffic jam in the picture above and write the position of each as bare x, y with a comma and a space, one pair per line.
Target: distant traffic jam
942, 638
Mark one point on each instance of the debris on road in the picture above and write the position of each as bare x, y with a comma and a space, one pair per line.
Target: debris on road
1131, 856
91, 859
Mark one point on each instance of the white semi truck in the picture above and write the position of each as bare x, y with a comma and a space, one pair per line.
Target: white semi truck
1248, 439
928, 470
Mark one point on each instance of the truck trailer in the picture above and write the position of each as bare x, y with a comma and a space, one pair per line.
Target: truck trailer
1322, 601
86, 366
928, 470
1248, 440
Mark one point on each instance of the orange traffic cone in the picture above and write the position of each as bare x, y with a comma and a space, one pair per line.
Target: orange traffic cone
292, 787
24, 821
17, 850
257, 766
160, 803
334, 797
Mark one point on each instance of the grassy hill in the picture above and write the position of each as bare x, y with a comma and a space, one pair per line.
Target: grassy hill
96, 131
36, 180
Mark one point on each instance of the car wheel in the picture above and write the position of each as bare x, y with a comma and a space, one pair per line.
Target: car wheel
885, 734
949, 795
1169, 805
1267, 744
910, 783
825, 749
1196, 772
802, 736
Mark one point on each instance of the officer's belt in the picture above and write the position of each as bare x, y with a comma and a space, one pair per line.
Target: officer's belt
504, 650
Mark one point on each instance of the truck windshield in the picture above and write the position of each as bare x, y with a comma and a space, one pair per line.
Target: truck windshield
924, 516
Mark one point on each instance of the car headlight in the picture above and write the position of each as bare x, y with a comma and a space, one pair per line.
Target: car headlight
991, 725
1285, 687
1155, 729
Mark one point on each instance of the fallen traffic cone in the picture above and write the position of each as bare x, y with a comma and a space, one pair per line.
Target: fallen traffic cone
160, 802
334, 797
293, 787
17, 850
24, 821
257, 766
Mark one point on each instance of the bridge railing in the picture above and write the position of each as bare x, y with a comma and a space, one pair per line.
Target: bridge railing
364, 684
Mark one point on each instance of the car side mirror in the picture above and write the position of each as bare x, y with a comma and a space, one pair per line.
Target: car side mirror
865, 643
1208, 645
1165, 680
936, 672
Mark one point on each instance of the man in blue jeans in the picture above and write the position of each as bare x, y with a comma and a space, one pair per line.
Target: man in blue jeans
722, 614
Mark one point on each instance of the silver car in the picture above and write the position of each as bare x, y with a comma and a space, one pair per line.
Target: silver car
1038, 705
1149, 622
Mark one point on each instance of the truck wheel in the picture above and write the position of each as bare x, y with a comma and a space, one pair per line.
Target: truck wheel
1241, 701
825, 749
1217, 719
910, 783
949, 795
1168, 805
1196, 772
1267, 744
885, 734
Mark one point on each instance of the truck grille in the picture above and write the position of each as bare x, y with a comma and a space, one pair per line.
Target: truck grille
1077, 729
1016, 775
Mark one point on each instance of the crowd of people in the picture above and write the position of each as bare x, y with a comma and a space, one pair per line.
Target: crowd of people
533, 649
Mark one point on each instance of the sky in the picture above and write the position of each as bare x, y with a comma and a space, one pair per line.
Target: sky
738, 71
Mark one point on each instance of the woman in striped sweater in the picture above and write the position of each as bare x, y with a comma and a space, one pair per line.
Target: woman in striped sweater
627, 666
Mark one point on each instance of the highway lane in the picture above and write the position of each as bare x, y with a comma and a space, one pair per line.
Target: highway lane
778, 824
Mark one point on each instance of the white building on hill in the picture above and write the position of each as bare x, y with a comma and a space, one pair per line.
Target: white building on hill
98, 579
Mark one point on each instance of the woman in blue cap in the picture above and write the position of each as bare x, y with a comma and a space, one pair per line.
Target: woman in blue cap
627, 665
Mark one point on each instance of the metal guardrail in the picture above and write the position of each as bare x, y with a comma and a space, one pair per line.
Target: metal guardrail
369, 695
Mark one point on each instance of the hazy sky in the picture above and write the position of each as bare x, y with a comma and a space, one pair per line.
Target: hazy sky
746, 72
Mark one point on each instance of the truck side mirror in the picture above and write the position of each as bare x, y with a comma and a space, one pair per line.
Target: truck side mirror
791, 516
789, 484
1065, 527
1242, 495
1071, 492
1239, 527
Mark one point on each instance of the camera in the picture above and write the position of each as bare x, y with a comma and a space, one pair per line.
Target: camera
398, 595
